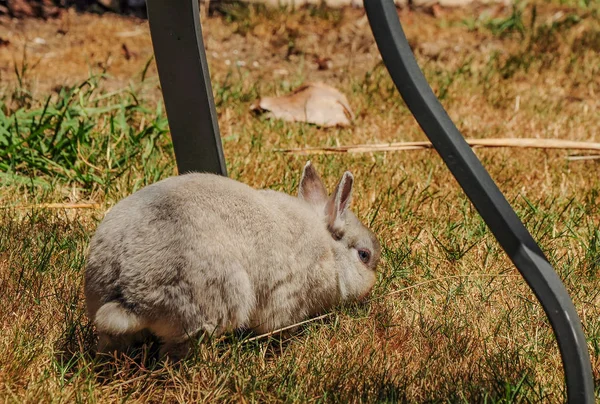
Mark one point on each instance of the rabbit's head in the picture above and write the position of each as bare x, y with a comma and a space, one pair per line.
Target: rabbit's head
356, 249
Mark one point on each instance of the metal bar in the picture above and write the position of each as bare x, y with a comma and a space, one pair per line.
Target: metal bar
486, 197
183, 71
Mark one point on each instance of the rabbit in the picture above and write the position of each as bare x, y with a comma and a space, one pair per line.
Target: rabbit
202, 253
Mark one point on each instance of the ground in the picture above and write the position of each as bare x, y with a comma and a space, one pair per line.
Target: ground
450, 319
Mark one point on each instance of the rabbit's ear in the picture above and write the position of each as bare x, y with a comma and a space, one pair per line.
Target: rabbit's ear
338, 204
311, 187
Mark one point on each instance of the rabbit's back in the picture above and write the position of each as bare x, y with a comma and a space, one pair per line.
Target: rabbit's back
203, 252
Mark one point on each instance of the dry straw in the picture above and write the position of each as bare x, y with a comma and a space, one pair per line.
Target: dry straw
400, 146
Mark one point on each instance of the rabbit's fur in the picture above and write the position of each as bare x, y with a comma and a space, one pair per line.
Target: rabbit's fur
204, 253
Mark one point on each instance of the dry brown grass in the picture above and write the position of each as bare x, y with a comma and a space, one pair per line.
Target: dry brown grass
461, 334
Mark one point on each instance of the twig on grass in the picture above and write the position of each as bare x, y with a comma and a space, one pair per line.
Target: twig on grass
55, 206
444, 278
529, 143
279, 330
583, 158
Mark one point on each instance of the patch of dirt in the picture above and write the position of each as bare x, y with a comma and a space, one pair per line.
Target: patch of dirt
64, 50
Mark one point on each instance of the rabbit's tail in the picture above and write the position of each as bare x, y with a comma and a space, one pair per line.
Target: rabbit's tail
113, 318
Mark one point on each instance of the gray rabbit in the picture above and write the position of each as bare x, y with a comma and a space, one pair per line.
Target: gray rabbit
204, 253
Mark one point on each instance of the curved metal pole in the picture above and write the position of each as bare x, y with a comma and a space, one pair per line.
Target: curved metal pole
486, 197
185, 81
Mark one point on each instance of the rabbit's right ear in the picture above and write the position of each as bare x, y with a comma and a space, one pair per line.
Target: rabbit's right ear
311, 187
338, 204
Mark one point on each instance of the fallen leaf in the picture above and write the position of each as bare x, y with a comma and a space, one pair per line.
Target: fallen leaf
315, 103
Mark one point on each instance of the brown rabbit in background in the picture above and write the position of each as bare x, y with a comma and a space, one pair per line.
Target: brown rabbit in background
204, 253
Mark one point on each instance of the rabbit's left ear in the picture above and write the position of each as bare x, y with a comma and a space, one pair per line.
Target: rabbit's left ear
311, 187
339, 202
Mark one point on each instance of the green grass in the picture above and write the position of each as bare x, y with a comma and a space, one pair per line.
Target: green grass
83, 137
450, 319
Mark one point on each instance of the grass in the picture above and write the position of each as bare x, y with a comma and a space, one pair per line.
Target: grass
450, 319
60, 140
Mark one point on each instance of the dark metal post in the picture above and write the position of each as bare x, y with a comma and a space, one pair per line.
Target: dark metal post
487, 198
185, 81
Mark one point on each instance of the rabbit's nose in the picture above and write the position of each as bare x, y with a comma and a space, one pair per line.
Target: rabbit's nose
363, 297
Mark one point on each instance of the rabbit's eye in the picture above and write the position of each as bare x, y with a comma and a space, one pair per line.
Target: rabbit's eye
364, 255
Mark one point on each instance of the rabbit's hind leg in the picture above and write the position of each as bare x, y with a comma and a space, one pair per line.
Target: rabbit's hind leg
175, 350
122, 344
177, 344
110, 344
